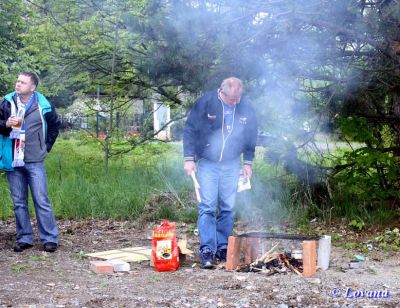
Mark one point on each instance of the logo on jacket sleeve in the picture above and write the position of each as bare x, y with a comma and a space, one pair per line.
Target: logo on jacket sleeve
243, 120
211, 117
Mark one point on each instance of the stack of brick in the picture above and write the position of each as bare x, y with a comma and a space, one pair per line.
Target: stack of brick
109, 266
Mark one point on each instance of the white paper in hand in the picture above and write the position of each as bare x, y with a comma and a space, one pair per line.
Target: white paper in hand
243, 184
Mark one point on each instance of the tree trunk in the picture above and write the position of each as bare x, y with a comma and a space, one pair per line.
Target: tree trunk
111, 127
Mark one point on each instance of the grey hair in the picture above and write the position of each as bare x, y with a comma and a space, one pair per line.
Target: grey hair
232, 86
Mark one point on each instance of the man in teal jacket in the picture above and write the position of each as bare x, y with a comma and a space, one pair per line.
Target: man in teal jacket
29, 127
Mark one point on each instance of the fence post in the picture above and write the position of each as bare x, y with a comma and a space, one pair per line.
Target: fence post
97, 124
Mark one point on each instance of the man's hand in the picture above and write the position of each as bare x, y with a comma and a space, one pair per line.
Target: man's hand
247, 171
11, 121
189, 167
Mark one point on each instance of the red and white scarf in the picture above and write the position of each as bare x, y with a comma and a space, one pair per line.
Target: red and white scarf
18, 132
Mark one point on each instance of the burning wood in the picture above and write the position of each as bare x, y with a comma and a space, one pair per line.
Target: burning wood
272, 263
287, 261
267, 254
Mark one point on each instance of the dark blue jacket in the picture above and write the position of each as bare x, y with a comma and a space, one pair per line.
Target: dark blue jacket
203, 133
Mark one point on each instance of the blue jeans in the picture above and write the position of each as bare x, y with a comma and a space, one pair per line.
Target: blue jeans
218, 185
34, 176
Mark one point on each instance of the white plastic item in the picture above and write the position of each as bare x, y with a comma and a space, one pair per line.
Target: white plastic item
324, 251
120, 265
244, 183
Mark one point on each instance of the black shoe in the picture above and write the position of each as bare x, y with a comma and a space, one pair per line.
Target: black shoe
19, 247
221, 255
207, 260
50, 247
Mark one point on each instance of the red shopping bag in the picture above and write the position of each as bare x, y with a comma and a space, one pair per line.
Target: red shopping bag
165, 247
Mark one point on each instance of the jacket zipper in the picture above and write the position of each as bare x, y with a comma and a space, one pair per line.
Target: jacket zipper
43, 122
224, 139
40, 141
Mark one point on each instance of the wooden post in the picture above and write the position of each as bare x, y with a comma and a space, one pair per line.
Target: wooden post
233, 252
309, 258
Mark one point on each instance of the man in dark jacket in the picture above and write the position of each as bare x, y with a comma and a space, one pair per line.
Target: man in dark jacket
220, 128
29, 126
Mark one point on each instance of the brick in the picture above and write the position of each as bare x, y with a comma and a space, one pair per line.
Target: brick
101, 267
252, 247
309, 258
233, 252
120, 265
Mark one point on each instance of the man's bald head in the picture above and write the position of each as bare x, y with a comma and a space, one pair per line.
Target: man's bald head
231, 89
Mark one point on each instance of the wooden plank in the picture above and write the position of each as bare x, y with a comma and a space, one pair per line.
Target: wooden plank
102, 253
130, 254
134, 249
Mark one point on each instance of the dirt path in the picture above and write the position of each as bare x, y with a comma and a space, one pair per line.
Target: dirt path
63, 279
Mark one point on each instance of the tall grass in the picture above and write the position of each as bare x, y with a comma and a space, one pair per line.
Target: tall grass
81, 187
270, 202
151, 179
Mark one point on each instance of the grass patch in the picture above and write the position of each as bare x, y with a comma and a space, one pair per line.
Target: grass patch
39, 258
18, 268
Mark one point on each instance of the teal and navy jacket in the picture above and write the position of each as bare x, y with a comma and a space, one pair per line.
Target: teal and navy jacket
39, 138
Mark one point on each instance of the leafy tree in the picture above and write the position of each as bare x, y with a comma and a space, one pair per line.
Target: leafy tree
11, 29
89, 51
330, 65
335, 63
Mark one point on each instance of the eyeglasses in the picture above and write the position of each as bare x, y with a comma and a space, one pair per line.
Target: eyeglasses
230, 99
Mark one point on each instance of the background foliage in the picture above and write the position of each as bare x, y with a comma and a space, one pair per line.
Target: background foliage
313, 68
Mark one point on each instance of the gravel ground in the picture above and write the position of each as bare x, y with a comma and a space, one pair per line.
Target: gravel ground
38, 279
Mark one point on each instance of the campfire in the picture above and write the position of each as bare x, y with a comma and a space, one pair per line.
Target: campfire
271, 262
